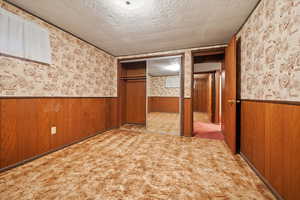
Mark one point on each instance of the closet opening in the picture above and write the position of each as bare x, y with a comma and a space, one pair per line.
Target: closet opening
151, 94
132, 93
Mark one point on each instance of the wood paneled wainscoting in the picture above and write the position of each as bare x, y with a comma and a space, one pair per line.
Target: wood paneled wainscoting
163, 104
270, 142
26, 123
187, 117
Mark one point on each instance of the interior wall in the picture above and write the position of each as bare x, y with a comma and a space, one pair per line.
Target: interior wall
157, 87
77, 70
270, 93
35, 97
270, 56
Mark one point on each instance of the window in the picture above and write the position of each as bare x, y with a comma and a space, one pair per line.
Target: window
23, 39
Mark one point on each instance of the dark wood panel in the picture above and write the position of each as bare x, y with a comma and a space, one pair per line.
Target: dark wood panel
163, 104
217, 115
26, 128
9, 141
253, 134
60, 121
136, 101
202, 93
112, 115
187, 117
270, 139
275, 137
26, 124
134, 69
74, 120
229, 127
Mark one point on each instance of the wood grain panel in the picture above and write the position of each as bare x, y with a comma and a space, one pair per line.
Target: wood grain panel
134, 69
187, 117
270, 139
46, 115
163, 104
112, 117
136, 101
59, 119
275, 133
25, 124
75, 120
229, 128
26, 129
9, 140
202, 93
253, 144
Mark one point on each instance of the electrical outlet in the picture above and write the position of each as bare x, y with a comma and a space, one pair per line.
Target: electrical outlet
53, 130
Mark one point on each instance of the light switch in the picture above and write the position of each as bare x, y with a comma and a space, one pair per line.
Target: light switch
53, 130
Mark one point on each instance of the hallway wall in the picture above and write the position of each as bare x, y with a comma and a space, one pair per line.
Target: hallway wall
270, 56
270, 93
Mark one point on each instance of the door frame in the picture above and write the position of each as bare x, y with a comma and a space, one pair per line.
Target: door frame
202, 52
182, 72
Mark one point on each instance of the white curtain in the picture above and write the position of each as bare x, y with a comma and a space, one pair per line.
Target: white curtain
23, 39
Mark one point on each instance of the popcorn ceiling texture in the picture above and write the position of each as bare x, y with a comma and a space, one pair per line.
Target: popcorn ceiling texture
187, 64
270, 56
78, 69
158, 88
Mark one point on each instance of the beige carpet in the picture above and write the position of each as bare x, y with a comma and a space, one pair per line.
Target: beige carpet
202, 117
164, 123
121, 165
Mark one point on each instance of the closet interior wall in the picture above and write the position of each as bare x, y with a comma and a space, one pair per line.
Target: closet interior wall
132, 92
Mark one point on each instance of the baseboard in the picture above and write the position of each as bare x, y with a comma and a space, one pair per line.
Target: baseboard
265, 181
51, 151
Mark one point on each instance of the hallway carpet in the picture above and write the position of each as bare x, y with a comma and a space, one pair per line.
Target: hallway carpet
121, 164
208, 130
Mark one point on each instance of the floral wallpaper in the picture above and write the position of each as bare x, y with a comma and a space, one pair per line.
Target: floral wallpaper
270, 56
78, 69
157, 87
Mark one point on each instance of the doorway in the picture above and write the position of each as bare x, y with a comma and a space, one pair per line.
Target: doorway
207, 94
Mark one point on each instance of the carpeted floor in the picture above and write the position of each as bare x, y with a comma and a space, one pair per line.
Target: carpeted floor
121, 164
201, 116
208, 130
164, 123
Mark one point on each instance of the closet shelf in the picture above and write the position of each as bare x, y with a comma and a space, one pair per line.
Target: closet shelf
132, 77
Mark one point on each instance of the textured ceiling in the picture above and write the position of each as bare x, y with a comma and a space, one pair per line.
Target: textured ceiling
145, 25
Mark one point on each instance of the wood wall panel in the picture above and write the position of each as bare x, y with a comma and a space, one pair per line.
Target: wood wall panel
253, 145
136, 101
26, 124
26, 129
9, 140
187, 117
270, 139
112, 115
202, 93
163, 104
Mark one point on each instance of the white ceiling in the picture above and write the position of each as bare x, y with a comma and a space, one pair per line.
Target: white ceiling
145, 25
